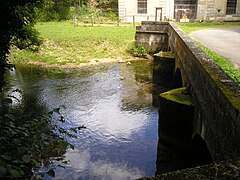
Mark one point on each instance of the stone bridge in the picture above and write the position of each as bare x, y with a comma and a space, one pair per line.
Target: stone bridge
215, 97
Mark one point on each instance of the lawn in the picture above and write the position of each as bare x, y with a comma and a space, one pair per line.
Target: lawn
223, 62
65, 43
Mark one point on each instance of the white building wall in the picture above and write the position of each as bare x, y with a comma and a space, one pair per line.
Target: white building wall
128, 10
215, 10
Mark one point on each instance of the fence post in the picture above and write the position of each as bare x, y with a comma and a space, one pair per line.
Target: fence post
133, 20
92, 19
118, 20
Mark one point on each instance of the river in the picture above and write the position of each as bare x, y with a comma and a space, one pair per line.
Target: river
115, 104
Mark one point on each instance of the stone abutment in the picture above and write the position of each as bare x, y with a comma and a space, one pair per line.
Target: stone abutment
214, 96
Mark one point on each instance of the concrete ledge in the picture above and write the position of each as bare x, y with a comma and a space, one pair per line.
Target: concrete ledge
222, 171
151, 32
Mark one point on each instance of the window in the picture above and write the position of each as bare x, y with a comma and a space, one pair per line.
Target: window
185, 1
142, 6
185, 9
231, 7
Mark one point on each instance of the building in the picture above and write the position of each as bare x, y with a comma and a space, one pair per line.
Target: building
219, 10
179, 10
144, 10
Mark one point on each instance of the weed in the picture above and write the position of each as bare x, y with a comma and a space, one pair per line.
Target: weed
224, 63
138, 51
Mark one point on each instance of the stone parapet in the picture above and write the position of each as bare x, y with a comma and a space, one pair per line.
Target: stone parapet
216, 97
152, 35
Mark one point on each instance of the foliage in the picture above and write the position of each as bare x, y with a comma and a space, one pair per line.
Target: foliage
53, 10
107, 4
138, 51
16, 19
29, 142
65, 43
29, 40
92, 15
79, 3
57, 10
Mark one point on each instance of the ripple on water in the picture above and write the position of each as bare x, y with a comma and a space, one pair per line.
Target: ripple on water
120, 141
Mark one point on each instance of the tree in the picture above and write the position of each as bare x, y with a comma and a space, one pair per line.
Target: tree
16, 19
53, 10
104, 4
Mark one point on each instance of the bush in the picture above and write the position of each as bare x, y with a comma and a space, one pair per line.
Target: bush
29, 141
90, 14
138, 51
53, 10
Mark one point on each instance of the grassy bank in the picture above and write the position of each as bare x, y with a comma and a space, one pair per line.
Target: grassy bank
223, 62
66, 43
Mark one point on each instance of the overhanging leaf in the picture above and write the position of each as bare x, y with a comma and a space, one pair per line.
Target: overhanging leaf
15, 173
26, 158
51, 173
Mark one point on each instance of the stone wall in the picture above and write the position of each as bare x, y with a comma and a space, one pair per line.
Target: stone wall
152, 35
215, 10
216, 97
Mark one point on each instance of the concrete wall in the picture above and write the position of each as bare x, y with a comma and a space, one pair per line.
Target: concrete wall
215, 96
128, 8
207, 10
215, 10
152, 35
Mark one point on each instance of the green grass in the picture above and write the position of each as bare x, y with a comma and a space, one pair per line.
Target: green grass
190, 27
223, 62
66, 43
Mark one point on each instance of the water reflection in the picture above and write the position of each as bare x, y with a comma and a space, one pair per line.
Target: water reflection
82, 167
114, 102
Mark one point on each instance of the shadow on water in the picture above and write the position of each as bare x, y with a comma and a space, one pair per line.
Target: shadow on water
177, 149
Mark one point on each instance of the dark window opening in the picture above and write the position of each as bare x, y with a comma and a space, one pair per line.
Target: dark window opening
185, 1
231, 7
185, 9
142, 6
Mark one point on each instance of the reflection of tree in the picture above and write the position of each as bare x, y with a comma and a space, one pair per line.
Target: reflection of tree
26, 133
137, 80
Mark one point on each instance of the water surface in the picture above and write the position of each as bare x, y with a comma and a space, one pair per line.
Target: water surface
114, 103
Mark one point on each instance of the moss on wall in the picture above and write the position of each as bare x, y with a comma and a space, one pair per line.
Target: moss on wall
179, 96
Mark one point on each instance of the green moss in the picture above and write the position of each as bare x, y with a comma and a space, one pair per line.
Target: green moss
233, 98
178, 95
169, 55
229, 69
223, 63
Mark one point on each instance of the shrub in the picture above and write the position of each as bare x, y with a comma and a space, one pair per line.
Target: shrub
138, 51
30, 141
53, 10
